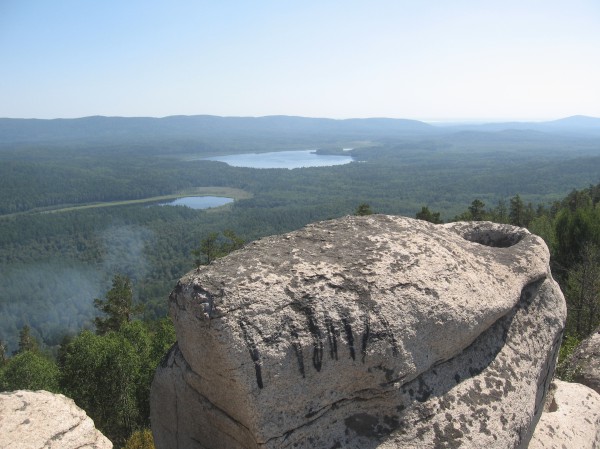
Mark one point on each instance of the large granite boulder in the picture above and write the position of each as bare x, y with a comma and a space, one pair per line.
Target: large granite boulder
39, 419
363, 332
571, 419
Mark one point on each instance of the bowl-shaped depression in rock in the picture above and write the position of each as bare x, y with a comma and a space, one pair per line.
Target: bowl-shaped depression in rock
291, 327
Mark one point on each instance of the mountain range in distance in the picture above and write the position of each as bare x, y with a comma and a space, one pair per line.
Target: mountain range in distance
197, 126
575, 123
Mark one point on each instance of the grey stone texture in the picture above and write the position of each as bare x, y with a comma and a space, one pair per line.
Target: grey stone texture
363, 332
571, 419
585, 362
43, 420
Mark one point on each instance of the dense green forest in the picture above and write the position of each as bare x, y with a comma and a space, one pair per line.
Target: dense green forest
55, 261
58, 255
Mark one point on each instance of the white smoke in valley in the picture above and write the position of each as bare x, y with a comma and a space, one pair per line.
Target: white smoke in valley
124, 250
56, 297
53, 298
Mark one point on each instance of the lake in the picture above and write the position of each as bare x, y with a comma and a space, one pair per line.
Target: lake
282, 159
199, 202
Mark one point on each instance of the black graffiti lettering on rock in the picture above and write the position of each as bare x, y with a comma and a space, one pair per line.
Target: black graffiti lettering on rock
298, 350
365, 338
316, 335
349, 337
332, 333
254, 354
375, 328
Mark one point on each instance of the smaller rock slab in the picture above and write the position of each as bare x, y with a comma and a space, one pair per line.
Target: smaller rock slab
39, 419
572, 419
586, 362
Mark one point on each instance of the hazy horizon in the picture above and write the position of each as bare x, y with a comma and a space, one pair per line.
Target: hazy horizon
435, 121
429, 61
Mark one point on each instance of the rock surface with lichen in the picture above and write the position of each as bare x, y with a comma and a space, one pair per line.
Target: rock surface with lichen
363, 332
571, 418
43, 420
585, 362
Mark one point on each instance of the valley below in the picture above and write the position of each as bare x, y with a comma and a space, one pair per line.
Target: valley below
74, 206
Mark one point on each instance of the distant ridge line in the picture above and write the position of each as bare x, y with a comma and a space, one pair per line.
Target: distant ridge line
104, 128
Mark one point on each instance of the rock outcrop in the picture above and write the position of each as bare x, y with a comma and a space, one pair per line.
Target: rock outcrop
570, 420
363, 332
39, 419
585, 362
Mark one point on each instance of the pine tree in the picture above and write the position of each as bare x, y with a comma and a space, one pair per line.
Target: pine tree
477, 210
363, 209
118, 306
516, 212
427, 215
27, 342
215, 246
3, 356
583, 292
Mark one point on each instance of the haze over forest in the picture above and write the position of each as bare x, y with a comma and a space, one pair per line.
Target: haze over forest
75, 193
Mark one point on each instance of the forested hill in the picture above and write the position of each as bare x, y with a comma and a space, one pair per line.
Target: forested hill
100, 128
215, 129
574, 125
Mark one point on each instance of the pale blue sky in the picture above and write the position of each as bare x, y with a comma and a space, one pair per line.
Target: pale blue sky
420, 59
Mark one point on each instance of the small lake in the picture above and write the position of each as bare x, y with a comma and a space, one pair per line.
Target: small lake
199, 202
282, 159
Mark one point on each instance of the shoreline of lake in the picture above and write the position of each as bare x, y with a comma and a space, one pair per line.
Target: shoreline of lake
282, 159
199, 202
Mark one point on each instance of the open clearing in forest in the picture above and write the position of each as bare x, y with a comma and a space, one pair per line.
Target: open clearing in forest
236, 194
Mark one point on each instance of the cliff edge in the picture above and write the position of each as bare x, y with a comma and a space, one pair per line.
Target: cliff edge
363, 332
43, 420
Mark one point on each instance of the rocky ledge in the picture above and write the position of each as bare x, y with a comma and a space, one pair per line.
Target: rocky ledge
585, 362
571, 418
363, 332
43, 420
